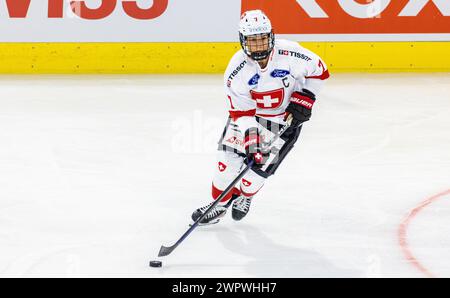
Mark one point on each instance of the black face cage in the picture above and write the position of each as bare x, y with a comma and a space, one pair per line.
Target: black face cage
261, 55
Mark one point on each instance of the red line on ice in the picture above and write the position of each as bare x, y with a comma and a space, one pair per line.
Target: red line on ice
402, 232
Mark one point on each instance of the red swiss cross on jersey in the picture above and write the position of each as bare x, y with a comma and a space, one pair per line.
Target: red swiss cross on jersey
246, 182
222, 166
269, 99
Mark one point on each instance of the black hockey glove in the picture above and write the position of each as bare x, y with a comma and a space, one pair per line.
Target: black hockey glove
253, 146
300, 107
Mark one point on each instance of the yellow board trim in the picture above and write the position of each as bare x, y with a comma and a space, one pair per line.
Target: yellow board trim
161, 58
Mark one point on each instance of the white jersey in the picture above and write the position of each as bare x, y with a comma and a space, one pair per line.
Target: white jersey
253, 91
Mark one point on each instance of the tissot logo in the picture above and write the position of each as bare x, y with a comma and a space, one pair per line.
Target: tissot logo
131, 8
355, 16
259, 29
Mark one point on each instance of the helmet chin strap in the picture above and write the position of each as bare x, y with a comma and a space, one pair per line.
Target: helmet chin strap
259, 56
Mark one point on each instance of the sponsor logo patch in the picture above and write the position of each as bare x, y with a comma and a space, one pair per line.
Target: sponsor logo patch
279, 73
235, 72
254, 80
294, 54
235, 141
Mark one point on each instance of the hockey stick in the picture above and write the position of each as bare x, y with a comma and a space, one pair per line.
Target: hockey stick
266, 146
166, 250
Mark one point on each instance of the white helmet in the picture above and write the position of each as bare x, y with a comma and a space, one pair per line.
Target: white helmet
255, 22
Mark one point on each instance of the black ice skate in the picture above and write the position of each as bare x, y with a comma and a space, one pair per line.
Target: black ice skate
240, 208
214, 215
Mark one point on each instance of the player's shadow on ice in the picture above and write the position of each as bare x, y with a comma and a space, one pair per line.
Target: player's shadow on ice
270, 259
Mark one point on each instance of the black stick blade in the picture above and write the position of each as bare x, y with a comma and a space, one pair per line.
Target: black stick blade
165, 251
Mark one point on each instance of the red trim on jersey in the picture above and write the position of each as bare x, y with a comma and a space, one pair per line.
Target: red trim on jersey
271, 54
217, 192
247, 194
325, 75
266, 115
237, 114
231, 102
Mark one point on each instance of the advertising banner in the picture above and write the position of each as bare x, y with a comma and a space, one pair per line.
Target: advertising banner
358, 20
216, 20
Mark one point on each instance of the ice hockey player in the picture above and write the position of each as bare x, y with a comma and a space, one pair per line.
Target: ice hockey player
268, 81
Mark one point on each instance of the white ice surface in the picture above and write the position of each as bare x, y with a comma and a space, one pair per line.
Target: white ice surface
97, 172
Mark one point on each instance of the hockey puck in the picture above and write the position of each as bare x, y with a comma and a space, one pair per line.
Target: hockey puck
155, 264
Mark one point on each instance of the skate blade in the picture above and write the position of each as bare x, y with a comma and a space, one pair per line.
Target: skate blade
206, 224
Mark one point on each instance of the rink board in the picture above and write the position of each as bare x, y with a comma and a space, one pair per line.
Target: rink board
205, 57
